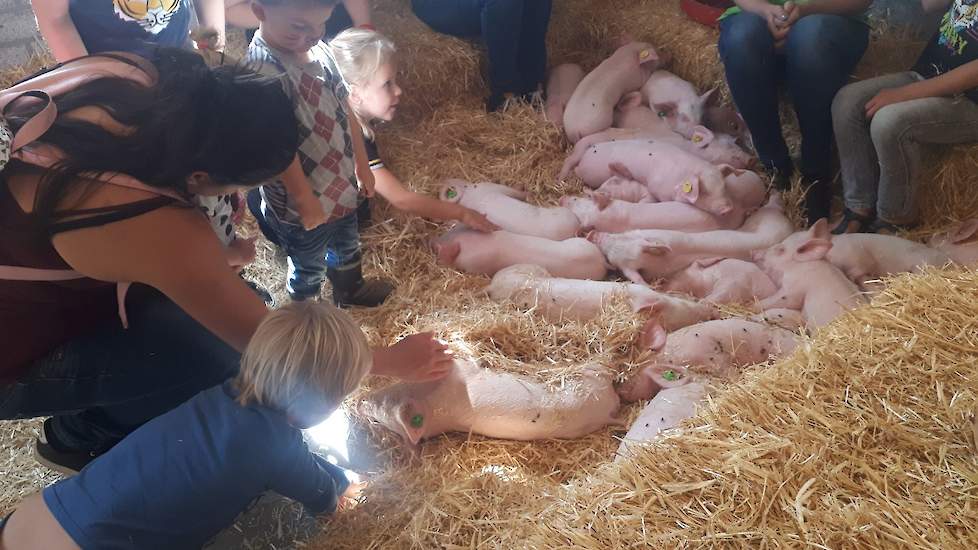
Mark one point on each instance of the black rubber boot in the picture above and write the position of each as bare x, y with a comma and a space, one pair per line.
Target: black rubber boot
351, 289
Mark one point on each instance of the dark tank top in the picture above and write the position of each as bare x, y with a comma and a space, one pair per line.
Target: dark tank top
36, 317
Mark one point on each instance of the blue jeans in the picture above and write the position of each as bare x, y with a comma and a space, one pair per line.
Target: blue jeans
103, 385
817, 58
335, 244
515, 33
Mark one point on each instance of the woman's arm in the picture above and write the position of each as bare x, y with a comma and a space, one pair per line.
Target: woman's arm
58, 30
210, 14
391, 188
359, 11
948, 84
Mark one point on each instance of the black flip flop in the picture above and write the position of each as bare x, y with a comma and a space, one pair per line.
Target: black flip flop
887, 228
864, 223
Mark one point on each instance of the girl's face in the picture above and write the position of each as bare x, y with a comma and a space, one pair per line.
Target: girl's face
292, 28
378, 98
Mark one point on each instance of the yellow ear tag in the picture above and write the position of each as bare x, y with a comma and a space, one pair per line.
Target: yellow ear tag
687, 187
697, 138
643, 54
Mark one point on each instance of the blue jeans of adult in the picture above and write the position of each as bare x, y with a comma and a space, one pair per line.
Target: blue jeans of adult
515, 33
335, 245
105, 384
816, 60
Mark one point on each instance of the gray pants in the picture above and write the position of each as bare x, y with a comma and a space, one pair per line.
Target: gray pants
881, 157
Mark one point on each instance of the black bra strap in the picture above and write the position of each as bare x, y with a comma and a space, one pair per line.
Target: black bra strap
104, 216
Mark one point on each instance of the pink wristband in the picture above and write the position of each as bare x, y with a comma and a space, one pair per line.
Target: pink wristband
367, 26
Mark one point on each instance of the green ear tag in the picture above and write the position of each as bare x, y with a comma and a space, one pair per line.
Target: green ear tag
417, 420
670, 375
662, 114
451, 193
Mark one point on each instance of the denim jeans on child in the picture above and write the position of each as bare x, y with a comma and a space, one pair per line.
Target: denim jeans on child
815, 61
102, 386
333, 244
881, 157
515, 33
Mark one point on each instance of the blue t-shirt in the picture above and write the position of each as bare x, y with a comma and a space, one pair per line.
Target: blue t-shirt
181, 478
136, 26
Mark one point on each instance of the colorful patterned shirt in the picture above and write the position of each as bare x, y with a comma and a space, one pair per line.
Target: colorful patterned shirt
325, 143
954, 44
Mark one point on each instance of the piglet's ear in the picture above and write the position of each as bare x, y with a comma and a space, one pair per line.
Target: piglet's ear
964, 231
655, 248
412, 420
653, 335
710, 97
620, 169
689, 190
601, 199
707, 262
702, 136
812, 250
647, 55
450, 191
820, 230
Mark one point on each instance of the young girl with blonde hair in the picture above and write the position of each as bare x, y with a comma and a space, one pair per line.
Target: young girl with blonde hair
367, 62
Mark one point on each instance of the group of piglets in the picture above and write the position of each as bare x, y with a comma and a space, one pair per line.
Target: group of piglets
670, 203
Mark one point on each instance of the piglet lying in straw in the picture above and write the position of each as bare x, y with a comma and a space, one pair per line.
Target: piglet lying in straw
602, 213
959, 243
864, 256
651, 253
723, 281
726, 120
591, 105
624, 189
713, 347
559, 299
486, 253
561, 83
665, 411
476, 400
676, 101
503, 206
805, 279
669, 172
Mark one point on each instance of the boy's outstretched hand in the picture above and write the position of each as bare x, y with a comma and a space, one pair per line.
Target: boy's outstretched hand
350, 497
415, 358
477, 221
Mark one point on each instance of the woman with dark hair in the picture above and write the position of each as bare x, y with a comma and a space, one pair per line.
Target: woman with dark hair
65, 352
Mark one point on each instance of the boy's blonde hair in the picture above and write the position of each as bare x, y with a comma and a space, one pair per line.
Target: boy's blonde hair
300, 351
359, 54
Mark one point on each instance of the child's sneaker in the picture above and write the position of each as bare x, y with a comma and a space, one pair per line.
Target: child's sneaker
50, 453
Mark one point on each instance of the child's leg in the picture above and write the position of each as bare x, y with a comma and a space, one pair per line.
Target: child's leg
533, 44
857, 154
345, 269
307, 256
33, 526
897, 131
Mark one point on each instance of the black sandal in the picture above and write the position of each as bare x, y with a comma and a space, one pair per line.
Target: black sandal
864, 222
882, 227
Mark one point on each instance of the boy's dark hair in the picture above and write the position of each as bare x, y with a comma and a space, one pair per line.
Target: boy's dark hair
235, 126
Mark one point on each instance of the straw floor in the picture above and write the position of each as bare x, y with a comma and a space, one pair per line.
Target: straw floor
862, 439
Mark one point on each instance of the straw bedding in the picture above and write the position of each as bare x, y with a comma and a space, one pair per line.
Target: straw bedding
863, 438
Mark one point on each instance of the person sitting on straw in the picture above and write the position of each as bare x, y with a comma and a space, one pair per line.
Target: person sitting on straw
812, 46
178, 480
366, 60
881, 123
515, 34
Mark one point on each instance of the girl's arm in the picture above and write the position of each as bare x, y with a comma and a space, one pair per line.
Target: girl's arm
948, 84
362, 164
210, 14
359, 11
58, 30
931, 6
391, 188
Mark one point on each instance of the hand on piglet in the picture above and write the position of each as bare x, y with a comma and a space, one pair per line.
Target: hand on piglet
415, 358
477, 221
